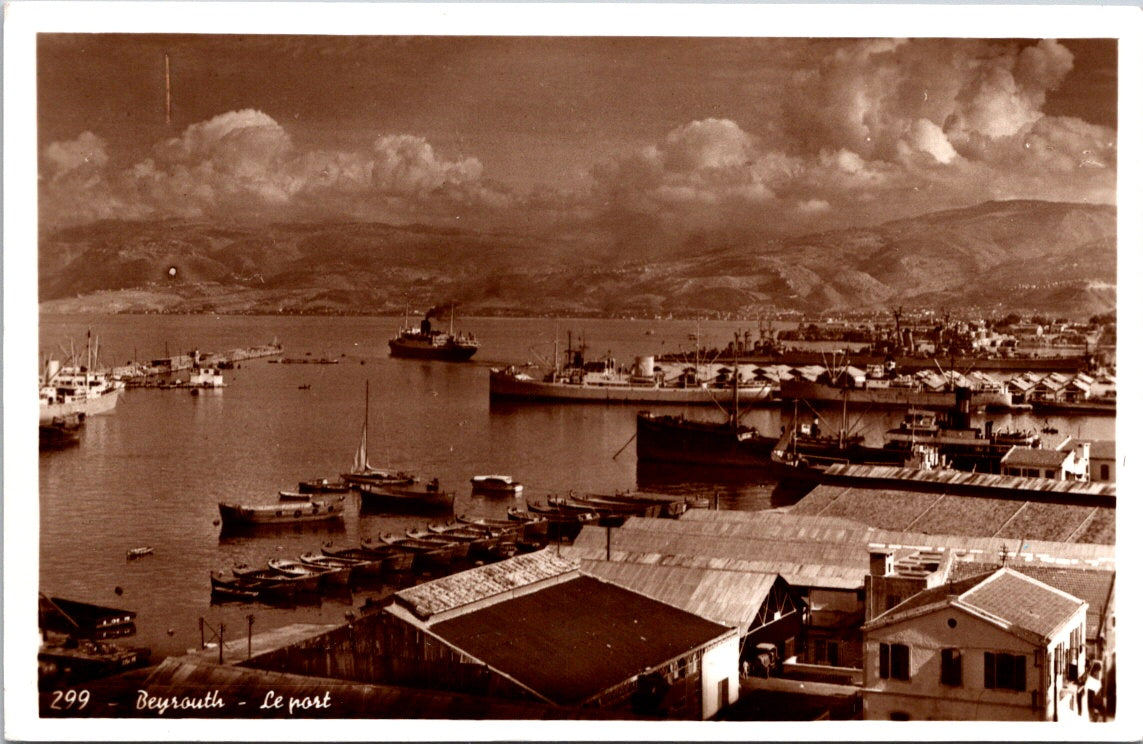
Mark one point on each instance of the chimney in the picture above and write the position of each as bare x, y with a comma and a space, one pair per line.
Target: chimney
880, 563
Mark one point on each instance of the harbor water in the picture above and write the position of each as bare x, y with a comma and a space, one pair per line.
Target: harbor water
153, 472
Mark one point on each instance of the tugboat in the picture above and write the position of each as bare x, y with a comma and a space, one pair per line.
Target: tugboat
426, 343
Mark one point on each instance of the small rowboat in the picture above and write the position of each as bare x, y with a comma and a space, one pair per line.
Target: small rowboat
366, 565
327, 576
353, 567
274, 585
302, 584
393, 560
244, 589
134, 553
293, 496
496, 485
439, 553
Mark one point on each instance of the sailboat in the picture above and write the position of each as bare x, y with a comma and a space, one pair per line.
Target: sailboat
364, 474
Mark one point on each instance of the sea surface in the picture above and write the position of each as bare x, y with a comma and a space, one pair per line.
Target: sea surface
153, 472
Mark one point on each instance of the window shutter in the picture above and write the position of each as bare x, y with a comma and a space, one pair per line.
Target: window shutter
1018, 672
883, 666
989, 670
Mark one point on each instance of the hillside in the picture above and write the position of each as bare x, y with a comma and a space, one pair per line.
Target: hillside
1022, 255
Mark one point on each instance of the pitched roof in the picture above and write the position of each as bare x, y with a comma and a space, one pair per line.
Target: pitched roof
1005, 597
1028, 456
1023, 602
464, 588
574, 640
1093, 586
730, 598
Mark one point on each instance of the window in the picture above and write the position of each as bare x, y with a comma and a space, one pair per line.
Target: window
951, 667
894, 661
1049, 473
1104, 472
1003, 671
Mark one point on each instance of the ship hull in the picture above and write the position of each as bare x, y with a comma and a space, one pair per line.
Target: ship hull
91, 406
502, 385
676, 440
450, 353
890, 397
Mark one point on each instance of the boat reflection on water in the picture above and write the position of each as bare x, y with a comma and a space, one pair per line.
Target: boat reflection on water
321, 531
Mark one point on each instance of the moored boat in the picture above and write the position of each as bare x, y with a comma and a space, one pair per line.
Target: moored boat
366, 564
393, 559
322, 485
293, 496
61, 431
328, 577
256, 515
363, 474
415, 497
496, 485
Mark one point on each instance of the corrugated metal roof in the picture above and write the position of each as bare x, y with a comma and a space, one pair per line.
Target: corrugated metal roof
801, 563
771, 525
983, 481
574, 640
730, 598
466, 587
969, 516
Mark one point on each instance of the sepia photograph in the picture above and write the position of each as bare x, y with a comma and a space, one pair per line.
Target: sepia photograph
611, 371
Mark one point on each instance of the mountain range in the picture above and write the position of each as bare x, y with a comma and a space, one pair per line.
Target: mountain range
1001, 255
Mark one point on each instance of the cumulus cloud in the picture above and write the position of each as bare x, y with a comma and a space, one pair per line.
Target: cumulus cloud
243, 164
872, 130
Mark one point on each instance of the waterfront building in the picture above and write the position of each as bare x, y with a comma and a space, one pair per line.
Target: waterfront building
535, 627
1101, 457
760, 606
1069, 464
999, 646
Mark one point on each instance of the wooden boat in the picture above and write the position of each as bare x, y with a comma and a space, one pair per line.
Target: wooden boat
322, 485
308, 583
527, 525
293, 496
364, 474
467, 549
496, 485
61, 431
672, 506
351, 567
607, 506
415, 497
329, 577
581, 514
271, 586
393, 559
439, 553
248, 589
134, 553
255, 515
366, 564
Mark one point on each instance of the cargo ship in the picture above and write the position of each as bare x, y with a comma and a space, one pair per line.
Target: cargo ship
424, 342
607, 382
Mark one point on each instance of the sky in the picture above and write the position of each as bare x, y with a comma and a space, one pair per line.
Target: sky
624, 141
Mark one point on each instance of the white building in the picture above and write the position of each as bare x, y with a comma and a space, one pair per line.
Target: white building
997, 647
